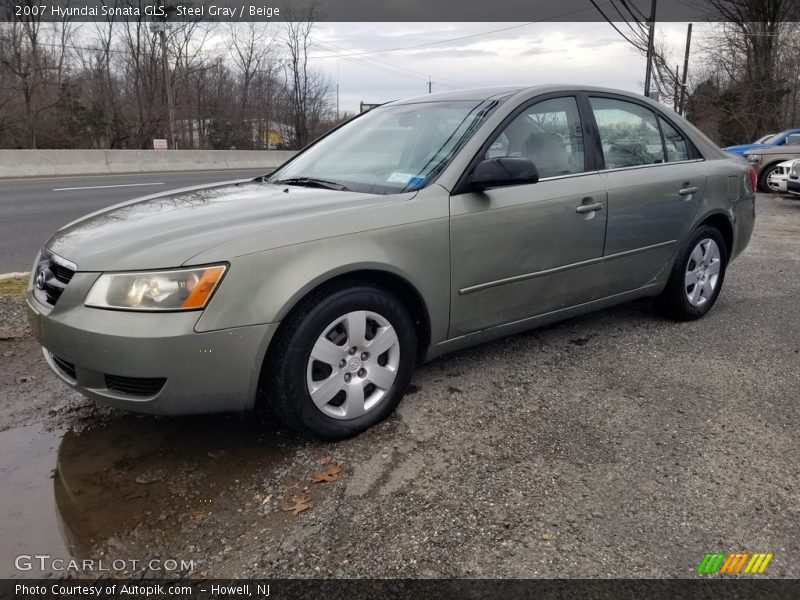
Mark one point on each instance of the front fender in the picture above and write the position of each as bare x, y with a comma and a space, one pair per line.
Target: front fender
264, 286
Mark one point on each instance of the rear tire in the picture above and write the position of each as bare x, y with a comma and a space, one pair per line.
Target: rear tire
342, 362
697, 276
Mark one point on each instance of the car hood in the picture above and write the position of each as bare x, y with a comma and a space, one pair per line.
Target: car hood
745, 147
168, 229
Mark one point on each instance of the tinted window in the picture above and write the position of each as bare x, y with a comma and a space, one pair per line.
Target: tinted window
677, 147
629, 133
549, 134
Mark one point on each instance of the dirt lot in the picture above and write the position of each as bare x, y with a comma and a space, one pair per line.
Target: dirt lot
614, 445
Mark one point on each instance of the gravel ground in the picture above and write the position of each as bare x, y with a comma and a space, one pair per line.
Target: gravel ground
613, 445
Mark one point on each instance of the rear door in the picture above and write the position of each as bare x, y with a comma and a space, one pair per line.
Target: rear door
655, 181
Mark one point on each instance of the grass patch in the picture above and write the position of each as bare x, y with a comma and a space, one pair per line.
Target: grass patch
13, 287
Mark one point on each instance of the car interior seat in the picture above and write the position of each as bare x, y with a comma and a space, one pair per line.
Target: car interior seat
549, 153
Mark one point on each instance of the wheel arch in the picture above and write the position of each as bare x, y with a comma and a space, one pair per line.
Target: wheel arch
380, 277
721, 222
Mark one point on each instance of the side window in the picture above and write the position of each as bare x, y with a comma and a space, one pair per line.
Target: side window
549, 134
793, 139
677, 147
629, 133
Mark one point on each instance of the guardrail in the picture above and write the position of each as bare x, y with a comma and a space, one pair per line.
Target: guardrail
50, 163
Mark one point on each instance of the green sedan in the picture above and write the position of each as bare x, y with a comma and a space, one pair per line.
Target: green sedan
418, 228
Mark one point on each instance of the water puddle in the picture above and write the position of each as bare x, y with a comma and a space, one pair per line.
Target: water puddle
62, 493
28, 521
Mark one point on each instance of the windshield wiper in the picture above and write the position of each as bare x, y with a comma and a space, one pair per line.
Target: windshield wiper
312, 182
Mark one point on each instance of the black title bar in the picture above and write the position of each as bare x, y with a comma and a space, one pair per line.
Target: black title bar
361, 10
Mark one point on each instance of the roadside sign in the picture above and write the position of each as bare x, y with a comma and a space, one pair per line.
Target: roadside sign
159, 144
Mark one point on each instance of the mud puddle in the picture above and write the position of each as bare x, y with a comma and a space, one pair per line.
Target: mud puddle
65, 492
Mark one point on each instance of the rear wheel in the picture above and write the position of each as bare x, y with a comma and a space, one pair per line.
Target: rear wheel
342, 363
696, 278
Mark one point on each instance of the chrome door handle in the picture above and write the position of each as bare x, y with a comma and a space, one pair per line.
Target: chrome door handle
585, 208
687, 191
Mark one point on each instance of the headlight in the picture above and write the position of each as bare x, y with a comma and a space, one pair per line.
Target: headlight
181, 289
753, 158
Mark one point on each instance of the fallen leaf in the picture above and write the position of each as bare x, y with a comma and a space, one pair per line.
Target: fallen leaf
324, 460
197, 517
299, 504
331, 474
546, 536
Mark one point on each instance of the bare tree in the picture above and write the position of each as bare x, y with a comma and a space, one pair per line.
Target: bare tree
33, 55
752, 52
107, 88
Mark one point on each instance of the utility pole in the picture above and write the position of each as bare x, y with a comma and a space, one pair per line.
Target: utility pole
160, 27
685, 68
337, 102
430, 83
651, 26
675, 95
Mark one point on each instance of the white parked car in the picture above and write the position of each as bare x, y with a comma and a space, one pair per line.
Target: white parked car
793, 185
777, 179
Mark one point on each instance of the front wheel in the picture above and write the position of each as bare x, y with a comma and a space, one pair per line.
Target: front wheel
696, 278
342, 363
765, 183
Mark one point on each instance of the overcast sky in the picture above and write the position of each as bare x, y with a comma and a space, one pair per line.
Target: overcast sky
586, 53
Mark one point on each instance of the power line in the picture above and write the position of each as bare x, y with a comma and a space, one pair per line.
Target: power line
610, 22
466, 37
380, 68
390, 65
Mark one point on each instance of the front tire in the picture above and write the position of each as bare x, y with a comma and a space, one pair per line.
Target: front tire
696, 278
342, 362
763, 180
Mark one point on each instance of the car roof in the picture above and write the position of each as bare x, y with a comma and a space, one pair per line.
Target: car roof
481, 93
520, 92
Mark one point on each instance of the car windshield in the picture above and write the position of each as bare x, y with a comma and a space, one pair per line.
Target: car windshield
391, 149
769, 139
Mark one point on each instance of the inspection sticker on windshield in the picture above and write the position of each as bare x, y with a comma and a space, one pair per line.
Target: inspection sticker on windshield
404, 178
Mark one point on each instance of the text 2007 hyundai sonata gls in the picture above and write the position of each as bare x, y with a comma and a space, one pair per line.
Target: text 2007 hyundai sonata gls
421, 227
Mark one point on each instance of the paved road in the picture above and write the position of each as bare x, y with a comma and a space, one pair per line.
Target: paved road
32, 209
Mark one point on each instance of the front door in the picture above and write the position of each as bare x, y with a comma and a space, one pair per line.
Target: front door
526, 250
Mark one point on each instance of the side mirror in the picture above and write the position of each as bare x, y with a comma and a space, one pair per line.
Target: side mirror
503, 171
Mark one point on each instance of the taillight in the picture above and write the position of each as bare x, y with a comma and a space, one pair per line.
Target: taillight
753, 176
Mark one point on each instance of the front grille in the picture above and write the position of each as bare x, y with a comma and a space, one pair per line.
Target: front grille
66, 367
135, 386
62, 273
53, 273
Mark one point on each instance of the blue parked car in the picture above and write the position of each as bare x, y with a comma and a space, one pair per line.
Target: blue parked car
788, 137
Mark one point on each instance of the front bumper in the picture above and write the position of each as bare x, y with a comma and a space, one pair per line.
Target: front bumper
164, 365
780, 183
793, 186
